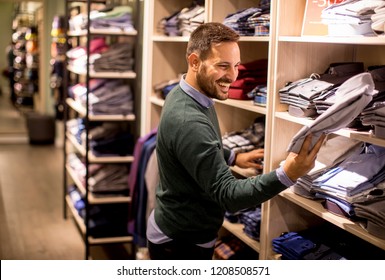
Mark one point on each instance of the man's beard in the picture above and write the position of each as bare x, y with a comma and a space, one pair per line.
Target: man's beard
208, 86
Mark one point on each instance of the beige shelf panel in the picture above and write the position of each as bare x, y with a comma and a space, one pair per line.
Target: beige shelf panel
101, 75
82, 111
102, 31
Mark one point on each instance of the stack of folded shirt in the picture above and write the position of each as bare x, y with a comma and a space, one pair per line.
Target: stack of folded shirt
111, 140
114, 98
109, 179
113, 18
309, 97
246, 140
78, 55
182, 22
351, 17
239, 21
375, 116
251, 220
378, 19
119, 57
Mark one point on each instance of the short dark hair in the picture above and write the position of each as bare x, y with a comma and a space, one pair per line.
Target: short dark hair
202, 38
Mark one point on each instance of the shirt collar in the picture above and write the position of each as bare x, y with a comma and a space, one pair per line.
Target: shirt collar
199, 97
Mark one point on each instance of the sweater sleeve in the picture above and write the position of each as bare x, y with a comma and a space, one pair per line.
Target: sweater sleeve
203, 158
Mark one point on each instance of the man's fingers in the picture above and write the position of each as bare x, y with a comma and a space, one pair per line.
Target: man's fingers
317, 146
306, 145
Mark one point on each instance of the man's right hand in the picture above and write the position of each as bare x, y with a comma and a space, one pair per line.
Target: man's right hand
298, 165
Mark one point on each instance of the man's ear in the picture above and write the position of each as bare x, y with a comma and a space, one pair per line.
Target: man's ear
193, 61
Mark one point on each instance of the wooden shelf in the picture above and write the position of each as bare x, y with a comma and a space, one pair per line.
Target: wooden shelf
237, 230
76, 106
317, 209
102, 75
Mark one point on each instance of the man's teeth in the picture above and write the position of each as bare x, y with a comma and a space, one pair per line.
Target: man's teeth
224, 84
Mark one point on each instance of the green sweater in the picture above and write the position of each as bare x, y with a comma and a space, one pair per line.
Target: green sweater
196, 184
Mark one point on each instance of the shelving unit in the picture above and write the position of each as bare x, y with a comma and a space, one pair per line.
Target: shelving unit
290, 57
305, 55
75, 109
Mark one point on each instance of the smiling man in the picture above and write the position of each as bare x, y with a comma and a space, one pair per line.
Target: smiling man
196, 184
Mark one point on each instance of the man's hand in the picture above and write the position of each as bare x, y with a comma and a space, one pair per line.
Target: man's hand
250, 159
298, 165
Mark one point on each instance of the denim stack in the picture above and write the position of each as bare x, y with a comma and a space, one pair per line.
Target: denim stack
324, 242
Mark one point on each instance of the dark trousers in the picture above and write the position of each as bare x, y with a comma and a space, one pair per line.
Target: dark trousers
175, 250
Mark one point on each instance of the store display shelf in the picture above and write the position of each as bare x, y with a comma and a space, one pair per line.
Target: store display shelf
92, 240
316, 208
346, 132
348, 40
91, 198
102, 31
172, 39
243, 104
237, 230
75, 105
157, 101
110, 240
95, 159
102, 75
78, 220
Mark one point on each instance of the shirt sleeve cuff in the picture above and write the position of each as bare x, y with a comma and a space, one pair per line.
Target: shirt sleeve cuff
283, 178
231, 161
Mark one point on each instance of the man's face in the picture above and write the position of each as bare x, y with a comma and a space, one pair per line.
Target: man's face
218, 71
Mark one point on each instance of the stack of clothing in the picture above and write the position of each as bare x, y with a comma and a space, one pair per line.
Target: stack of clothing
351, 17
357, 181
374, 114
250, 75
182, 22
254, 21
353, 96
310, 97
248, 139
250, 218
106, 96
78, 55
325, 242
114, 18
111, 139
378, 19
104, 179
231, 248
105, 220
119, 57
332, 152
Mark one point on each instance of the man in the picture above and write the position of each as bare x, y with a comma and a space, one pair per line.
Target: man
196, 185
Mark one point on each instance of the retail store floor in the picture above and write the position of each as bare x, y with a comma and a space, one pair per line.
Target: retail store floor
32, 224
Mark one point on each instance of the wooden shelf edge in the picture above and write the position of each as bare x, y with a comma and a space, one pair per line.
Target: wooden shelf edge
237, 230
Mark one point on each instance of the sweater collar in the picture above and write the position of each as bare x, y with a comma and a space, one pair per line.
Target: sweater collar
199, 97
